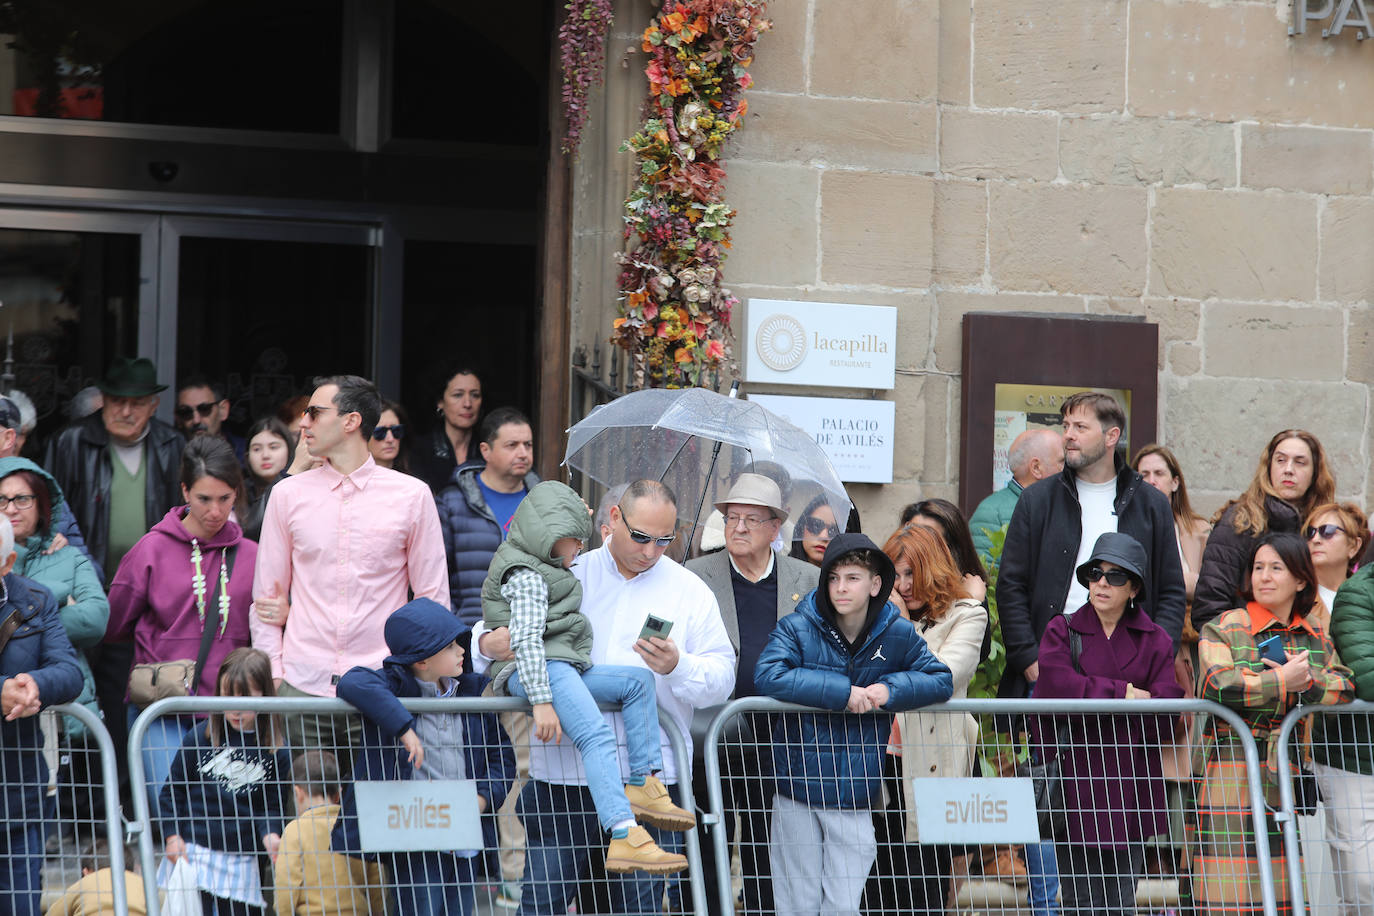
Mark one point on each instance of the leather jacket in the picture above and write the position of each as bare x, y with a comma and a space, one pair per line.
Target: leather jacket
79, 459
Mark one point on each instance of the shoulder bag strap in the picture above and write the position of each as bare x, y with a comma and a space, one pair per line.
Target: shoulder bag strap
9, 626
207, 633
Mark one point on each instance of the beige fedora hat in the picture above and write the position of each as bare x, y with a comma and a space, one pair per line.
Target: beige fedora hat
754, 490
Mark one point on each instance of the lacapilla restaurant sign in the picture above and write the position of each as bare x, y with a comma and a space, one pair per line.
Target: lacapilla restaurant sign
1339, 15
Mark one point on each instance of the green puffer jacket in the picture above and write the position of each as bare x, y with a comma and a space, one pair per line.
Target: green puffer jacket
550, 511
1347, 741
71, 578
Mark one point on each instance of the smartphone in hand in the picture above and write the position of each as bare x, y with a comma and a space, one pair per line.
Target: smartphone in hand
1272, 648
655, 626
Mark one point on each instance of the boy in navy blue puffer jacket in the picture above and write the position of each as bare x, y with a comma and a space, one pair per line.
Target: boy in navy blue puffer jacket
848, 649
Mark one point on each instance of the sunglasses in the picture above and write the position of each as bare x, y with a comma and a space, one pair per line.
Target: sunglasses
639, 537
815, 526
398, 432
314, 411
1114, 577
1325, 532
186, 411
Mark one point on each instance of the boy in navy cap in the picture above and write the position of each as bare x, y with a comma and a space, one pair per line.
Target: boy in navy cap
426, 661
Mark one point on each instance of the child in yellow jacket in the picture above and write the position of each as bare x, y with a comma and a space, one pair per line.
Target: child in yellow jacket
311, 880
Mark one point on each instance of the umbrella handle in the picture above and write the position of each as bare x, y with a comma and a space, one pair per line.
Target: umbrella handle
710, 472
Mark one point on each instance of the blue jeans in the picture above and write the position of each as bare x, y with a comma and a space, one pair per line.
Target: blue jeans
21, 859
574, 700
1043, 870
160, 746
432, 883
561, 837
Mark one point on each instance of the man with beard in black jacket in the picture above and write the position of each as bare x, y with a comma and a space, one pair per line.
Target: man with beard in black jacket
1056, 523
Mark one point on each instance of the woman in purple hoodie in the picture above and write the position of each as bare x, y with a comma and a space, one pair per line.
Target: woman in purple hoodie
193, 570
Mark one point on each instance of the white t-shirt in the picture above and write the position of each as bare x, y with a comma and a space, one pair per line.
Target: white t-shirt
1097, 502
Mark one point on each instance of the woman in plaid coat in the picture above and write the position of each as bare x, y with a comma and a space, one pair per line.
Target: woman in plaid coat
1280, 593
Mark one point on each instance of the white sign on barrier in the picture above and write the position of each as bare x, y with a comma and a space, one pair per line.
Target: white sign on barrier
983, 811
418, 815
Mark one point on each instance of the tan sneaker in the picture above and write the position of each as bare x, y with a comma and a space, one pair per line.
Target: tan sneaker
639, 852
652, 804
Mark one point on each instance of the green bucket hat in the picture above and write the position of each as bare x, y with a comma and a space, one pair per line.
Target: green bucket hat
130, 378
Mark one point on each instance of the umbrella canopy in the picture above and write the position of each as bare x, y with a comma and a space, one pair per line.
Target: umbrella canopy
671, 435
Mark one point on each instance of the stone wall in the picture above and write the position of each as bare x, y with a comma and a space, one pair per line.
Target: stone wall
1185, 161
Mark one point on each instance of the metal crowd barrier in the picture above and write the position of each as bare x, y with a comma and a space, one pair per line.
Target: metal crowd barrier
401, 824
1143, 780
1336, 875
56, 827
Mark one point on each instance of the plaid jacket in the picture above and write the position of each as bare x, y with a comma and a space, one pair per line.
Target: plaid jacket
1233, 675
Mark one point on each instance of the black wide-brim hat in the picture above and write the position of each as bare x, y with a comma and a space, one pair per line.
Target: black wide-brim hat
1121, 549
130, 378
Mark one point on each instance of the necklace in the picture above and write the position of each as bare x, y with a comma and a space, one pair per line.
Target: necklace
198, 587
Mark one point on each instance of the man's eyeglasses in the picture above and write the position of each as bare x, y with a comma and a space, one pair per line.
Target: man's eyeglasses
818, 527
22, 501
1114, 577
639, 537
1325, 532
314, 411
398, 432
751, 522
186, 411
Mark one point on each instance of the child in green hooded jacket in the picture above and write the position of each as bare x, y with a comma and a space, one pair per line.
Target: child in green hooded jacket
530, 590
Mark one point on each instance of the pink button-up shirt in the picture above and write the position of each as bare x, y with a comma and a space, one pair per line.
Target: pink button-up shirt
345, 548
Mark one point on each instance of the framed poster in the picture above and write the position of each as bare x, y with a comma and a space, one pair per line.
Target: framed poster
1018, 367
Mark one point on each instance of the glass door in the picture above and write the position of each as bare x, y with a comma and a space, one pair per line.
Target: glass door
266, 306
77, 289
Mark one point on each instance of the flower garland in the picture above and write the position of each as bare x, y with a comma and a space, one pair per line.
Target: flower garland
674, 314
582, 49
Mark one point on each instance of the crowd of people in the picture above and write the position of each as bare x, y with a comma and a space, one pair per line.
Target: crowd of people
334, 552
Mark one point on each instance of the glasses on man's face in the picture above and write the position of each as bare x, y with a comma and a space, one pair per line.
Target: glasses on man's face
751, 522
397, 432
817, 527
314, 411
1325, 532
21, 501
1115, 577
639, 537
186, 411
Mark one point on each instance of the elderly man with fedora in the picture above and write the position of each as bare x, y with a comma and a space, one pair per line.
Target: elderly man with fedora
119, 470
755, 586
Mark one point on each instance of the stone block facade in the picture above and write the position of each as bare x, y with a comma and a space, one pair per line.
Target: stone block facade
1182, 160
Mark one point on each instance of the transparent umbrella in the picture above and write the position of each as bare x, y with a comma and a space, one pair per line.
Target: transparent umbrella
697, 442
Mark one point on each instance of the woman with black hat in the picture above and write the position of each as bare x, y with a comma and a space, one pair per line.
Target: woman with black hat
1109, 765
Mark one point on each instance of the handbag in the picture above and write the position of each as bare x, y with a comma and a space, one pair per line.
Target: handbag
1046, 776
153, 681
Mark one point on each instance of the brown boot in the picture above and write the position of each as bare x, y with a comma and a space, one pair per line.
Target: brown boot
652, 804
1004, 864
639, 852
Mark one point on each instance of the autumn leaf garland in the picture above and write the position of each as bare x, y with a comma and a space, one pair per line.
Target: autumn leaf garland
674, 313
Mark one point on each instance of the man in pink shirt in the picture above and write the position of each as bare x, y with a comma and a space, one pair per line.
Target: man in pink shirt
341, 545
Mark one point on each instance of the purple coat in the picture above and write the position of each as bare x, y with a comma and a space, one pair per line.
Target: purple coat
1113, 787
152, 601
